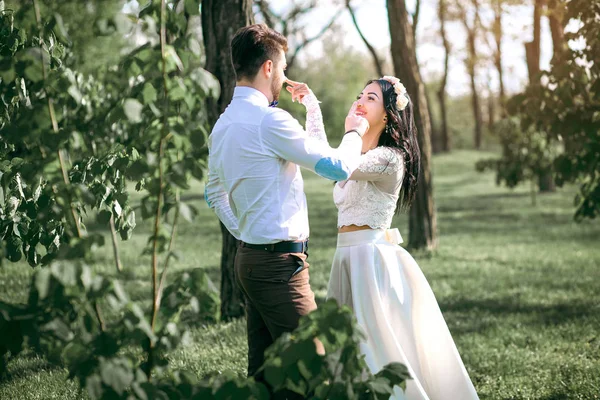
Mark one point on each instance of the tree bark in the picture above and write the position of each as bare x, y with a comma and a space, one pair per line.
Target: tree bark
415, 19
532, 52
491, 108
422, 220
498, 34
557, 29
441, 94
220, 20
532, 49
474, 94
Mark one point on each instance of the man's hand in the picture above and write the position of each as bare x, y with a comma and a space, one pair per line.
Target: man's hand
297, 89
356, 122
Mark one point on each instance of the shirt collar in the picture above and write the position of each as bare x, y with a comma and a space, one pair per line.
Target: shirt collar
255, 96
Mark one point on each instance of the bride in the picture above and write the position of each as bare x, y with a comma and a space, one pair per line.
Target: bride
378, 279
371, 273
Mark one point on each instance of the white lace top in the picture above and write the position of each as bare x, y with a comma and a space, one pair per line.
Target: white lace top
369, 196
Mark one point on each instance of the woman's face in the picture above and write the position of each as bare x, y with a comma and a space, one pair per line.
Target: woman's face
370, 106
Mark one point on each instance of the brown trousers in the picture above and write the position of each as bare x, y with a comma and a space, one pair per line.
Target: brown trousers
277, 293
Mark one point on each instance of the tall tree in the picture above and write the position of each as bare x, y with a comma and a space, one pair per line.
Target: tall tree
556, 17
498, 35
532, 53
422, 221
532, 49
220, 20
441, 94
472, 26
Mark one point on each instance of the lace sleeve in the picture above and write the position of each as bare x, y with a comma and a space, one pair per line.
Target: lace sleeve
378, 163
314, 118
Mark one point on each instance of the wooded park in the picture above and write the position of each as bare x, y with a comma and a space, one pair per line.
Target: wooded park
117, 279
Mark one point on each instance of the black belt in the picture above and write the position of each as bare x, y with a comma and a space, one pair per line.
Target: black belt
280, 247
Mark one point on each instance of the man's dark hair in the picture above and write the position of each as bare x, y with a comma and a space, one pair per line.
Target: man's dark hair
253, 45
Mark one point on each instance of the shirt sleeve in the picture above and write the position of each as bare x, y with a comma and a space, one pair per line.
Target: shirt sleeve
378, 163
314, 118
285, 137
217, 198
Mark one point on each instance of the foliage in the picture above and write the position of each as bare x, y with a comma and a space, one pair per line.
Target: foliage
43, 115
70, 143
93, 49
62, 320
525, 155
293, 362
74, 144
566, 107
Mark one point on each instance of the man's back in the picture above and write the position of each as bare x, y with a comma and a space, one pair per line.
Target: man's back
266, 192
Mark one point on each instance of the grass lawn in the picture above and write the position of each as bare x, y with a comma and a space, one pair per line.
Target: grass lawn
518, 285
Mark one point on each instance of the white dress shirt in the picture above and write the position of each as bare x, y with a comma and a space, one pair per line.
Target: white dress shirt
254, 182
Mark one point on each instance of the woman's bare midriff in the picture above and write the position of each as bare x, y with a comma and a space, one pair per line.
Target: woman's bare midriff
353, 228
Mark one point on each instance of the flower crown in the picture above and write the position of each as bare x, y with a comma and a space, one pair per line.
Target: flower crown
400, 90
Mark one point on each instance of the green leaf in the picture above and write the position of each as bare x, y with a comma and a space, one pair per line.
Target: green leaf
173, 60
42, 283
116, 374
208, 82
187, 212
59, 329
103, 217
133, 110
192, 7
75, 93
61, 32
149, 93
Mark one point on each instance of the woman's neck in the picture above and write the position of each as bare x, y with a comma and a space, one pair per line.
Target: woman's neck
370, 141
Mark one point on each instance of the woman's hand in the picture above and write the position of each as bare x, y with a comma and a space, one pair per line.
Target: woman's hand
356, 122
297, 89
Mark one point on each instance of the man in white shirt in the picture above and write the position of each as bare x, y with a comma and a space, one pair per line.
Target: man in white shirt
256, 189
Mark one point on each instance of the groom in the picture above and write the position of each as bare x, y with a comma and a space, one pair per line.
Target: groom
256, 189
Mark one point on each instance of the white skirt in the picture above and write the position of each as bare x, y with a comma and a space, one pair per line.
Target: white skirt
396, 309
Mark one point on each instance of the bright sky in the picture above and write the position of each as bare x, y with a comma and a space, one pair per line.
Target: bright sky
372, 19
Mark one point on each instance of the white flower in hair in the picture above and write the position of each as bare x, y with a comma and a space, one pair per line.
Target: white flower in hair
401, 96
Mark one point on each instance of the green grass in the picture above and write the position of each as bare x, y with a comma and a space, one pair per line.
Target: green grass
518, 285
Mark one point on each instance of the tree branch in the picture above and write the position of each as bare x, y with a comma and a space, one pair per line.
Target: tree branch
268, 15
305, 42
415, 19
376, 59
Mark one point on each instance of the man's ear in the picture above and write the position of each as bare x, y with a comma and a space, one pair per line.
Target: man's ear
267, 68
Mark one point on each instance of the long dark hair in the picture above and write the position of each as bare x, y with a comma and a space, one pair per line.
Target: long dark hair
400, 133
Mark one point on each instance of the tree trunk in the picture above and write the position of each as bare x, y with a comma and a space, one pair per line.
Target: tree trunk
532, 49
475, 102
546, 181
532, 52
422, 221
498, 32
441, 94
557, 30
220, 20
491, 109
471, 62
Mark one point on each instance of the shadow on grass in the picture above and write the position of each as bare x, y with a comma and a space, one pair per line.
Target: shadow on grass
29, 364
541, 314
